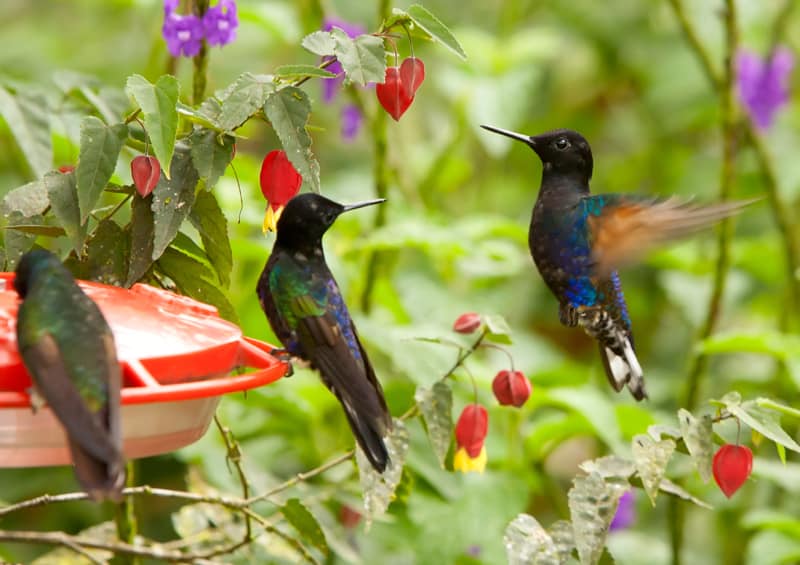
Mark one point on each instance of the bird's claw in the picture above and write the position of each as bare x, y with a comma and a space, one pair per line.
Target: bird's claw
284, 356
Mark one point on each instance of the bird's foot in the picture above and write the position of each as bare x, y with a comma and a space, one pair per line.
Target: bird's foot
37, 400
284, 356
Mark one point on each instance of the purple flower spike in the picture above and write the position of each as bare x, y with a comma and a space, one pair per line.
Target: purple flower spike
170, 6
764, 84
183, 34
351, 122
626, 512
220, 23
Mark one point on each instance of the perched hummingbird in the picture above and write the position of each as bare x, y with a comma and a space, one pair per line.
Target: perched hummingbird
305, 309
68, 349
579, 240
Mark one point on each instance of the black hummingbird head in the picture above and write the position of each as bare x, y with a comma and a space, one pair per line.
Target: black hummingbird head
562, 150
29, 265
308, 216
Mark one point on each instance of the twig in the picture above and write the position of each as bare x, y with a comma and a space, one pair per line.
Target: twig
324, 65
234, 455
299, 477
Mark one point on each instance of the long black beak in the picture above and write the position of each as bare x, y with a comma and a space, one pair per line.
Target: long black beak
512, 134
363, 204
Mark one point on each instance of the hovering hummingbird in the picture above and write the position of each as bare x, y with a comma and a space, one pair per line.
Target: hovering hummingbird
68, 349
305, 309
579, 240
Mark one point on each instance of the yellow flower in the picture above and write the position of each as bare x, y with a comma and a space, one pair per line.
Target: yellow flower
466, 464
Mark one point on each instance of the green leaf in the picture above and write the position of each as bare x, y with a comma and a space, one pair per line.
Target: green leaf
243, 99
435, 28
763, 420
378, 488
33, 229
100, 147
782, 346
196, 280
305, 523
172, 201
319, 43
668, 487
159, 105
288, 110
778, 407
592, 504
363, 59
301, 71
206, 116
499, 330
436, 406
18, 242
610, 467
527, 543
142, 228
210, 223
28, 200
107, 254
29, 122
781, 452
698, 436
210, 157
63, 195
651, 458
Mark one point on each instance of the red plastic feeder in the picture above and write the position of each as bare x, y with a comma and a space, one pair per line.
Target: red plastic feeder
176, 356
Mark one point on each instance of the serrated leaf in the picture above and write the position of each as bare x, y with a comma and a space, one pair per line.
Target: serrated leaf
18, 242
159, 105
592, 504
28, 200
378, 488
658, 431
172, 201
672, 489
29, 122
319, 43
196, 280
527, 543
651, 458
206, 116
563, 536
243, 99
63, 195
435, 28
287, 110
100, 147
363, 58
764, 421
210, 223
106, 259
142, 228
305, 523
301, 71
436, 405
210, 157
609, 467
697, 434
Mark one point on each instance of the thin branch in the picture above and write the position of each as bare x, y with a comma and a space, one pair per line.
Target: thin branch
234, 455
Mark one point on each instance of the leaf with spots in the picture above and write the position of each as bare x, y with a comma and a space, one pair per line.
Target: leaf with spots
172, 201
592, 504
159, 103
142, 228
436, 405
100, 147
379, 488
651, 458
697, 435
528, 543
63, 195
210, 223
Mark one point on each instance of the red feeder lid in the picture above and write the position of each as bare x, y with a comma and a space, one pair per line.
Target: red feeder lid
172, 349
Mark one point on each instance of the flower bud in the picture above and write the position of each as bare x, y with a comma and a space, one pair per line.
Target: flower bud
467, 323
145, 171
511, 388
471, 429
732, 465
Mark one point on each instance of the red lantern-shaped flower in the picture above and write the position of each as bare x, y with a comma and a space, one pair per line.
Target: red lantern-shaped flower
471, 430
280, 182
732, 465
467, 323
511, 388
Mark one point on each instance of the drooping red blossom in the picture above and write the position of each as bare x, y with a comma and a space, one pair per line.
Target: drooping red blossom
412, 73
731, 466
349, 517
471, 429
467, 323
392, 95
145, 170
280, 181
511, 388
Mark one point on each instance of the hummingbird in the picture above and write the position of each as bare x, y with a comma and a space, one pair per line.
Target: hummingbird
578, 242
68, 349
305, 308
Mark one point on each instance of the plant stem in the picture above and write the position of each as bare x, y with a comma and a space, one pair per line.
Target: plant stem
125, 518
200, 76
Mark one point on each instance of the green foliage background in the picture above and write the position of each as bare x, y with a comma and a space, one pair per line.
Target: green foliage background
454, 239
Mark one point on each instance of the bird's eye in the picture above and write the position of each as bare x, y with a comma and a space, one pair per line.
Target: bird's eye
561, 143
330, 217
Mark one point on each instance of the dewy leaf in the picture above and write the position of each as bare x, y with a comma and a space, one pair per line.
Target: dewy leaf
564, 539
305, 523
210, 157
527, 543
243, 99
100, 147
592, 504
28, 120
107, 254
210, 223
29, 199
142, 228
378, 489
301, 71
63, 195
363, 59
609, 467
435, 28
288, 110
698, 436
436, 406
196, 280
319, 43
651, 458
159, 105
764, 421
172, 201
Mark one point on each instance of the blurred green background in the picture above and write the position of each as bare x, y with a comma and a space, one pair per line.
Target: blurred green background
455, 240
